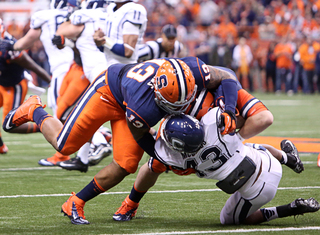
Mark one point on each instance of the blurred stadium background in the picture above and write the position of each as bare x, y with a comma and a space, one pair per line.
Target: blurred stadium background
210, 29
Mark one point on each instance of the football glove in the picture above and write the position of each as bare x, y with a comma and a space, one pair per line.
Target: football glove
227, 122
183, 171
5, 47
58, 40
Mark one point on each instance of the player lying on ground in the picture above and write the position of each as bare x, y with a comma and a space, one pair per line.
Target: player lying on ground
250, 173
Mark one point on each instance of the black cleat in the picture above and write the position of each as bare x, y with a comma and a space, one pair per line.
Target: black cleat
301, 206
73, 164
294, 161
98, 153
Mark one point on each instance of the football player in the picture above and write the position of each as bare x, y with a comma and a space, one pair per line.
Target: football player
123, 30
43, 26
14, 82
165, 46
133, 98
251, 173
79, 28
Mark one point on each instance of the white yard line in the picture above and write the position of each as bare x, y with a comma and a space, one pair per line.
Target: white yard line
165, 191
233, 231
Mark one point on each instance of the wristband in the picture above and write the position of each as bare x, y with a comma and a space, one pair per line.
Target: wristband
118, 49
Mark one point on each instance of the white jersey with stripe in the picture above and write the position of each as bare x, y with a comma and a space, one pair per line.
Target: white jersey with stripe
91, 56
154, 50
129, 12
218, 156
49, 21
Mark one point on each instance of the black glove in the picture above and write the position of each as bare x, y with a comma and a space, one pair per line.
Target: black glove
58, 40
227, 122
5, 47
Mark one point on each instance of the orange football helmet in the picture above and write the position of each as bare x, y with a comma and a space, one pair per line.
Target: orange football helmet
174, 86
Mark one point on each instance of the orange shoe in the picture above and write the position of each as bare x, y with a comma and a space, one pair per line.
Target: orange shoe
318, 163
4, 149
73, 208
52, 161
22, 114
127, 210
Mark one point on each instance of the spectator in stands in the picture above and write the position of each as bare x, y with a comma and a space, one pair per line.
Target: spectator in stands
308, 51
202, 48
271, 68
208, 12
242, 57
297, 70
221, 54
14, 29
283, 52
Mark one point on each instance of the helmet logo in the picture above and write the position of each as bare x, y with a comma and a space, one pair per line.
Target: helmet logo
162, 81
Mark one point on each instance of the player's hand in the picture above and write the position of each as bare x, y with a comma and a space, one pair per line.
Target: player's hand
227, 122
98, 37
182, 172
5, 47
58, 40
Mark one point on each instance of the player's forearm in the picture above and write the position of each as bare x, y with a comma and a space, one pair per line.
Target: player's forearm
27, 41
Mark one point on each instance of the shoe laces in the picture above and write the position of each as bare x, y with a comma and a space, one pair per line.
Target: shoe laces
125, 208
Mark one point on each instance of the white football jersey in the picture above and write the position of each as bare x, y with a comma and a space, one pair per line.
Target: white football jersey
129, 12
153, 50
218, 156
49, 21
91, 56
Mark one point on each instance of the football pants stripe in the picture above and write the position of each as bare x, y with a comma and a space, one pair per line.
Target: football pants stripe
62, 137
244, 110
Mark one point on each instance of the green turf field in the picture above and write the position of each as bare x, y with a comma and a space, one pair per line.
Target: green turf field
31, 196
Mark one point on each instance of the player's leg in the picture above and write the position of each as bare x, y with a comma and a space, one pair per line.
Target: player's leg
146, 178
255, 193
73, 86
127, 154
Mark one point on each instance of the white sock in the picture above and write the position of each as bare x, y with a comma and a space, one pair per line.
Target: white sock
83, 153
270, 213
98, 138
285, 157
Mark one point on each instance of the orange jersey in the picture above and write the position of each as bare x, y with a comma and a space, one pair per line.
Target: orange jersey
283, 52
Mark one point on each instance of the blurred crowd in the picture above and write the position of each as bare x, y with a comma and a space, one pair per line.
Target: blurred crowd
272, 45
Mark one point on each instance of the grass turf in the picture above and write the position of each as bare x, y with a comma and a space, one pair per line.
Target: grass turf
31, 196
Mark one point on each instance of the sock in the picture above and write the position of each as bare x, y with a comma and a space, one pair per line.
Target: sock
136, 195
40, 115
84, 152
98, 138
32, 128
284, 158
92, 190
270, 213
1, 142
285, 211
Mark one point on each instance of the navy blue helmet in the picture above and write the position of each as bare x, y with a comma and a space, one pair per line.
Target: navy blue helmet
182, 133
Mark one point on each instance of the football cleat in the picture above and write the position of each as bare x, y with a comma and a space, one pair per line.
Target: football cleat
52, 161
301, 206
73, 208
4, 149
127, 210
294, 161
22, 114
74, 164
98, 153
318, 162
